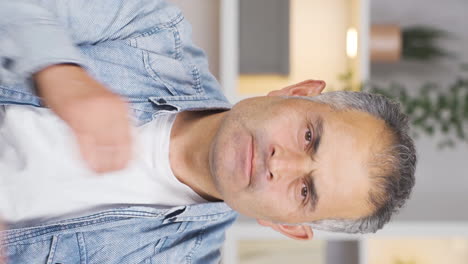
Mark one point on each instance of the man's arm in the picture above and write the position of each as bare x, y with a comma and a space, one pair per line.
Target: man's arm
98, 118
40, 38
40, 33
32, 39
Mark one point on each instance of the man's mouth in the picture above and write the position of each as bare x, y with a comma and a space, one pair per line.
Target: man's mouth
250, 160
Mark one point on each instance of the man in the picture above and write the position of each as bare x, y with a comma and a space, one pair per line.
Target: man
338, 161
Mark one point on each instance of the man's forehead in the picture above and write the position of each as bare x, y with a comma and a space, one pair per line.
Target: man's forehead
343, 183
353, 134
352, 121
342, 172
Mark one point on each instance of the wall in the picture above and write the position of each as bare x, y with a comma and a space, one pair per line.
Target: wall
441, 191
317, 42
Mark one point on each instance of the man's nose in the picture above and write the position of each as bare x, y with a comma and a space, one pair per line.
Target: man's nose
288, 162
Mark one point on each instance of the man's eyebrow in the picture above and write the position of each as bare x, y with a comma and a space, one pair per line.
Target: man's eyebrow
318, 131
313, 194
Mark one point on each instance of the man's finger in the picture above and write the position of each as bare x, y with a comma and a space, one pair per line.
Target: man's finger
107, 158
122, 157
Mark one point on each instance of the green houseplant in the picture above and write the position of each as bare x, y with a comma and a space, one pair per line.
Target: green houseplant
433, 109
420, 43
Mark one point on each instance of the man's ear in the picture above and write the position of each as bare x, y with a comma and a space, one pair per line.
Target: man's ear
299, 232
305, 88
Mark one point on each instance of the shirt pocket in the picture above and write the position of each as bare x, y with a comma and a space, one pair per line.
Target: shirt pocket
179, 247
27, 251
165, 62
48, 250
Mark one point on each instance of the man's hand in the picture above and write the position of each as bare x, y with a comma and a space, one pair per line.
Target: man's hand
98, 117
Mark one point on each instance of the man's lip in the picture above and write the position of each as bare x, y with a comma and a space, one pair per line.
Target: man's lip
250, 160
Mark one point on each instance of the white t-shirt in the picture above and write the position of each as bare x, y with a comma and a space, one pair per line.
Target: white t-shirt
42, 174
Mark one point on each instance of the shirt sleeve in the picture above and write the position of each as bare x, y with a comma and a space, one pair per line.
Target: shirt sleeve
35, 34
33, 39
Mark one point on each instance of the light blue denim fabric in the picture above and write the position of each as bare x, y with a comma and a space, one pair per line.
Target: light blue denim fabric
132, 235
143, 51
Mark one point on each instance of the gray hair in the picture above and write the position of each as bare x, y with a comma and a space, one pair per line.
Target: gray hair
396, 165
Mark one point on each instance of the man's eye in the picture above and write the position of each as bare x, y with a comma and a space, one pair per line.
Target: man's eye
304, 191
308, 136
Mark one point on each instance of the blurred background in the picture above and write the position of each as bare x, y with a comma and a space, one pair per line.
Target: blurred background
414, 51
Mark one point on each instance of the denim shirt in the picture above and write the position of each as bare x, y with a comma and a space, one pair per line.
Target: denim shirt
143, 51
188, 234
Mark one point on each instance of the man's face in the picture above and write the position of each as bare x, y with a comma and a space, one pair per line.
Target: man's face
270, 151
